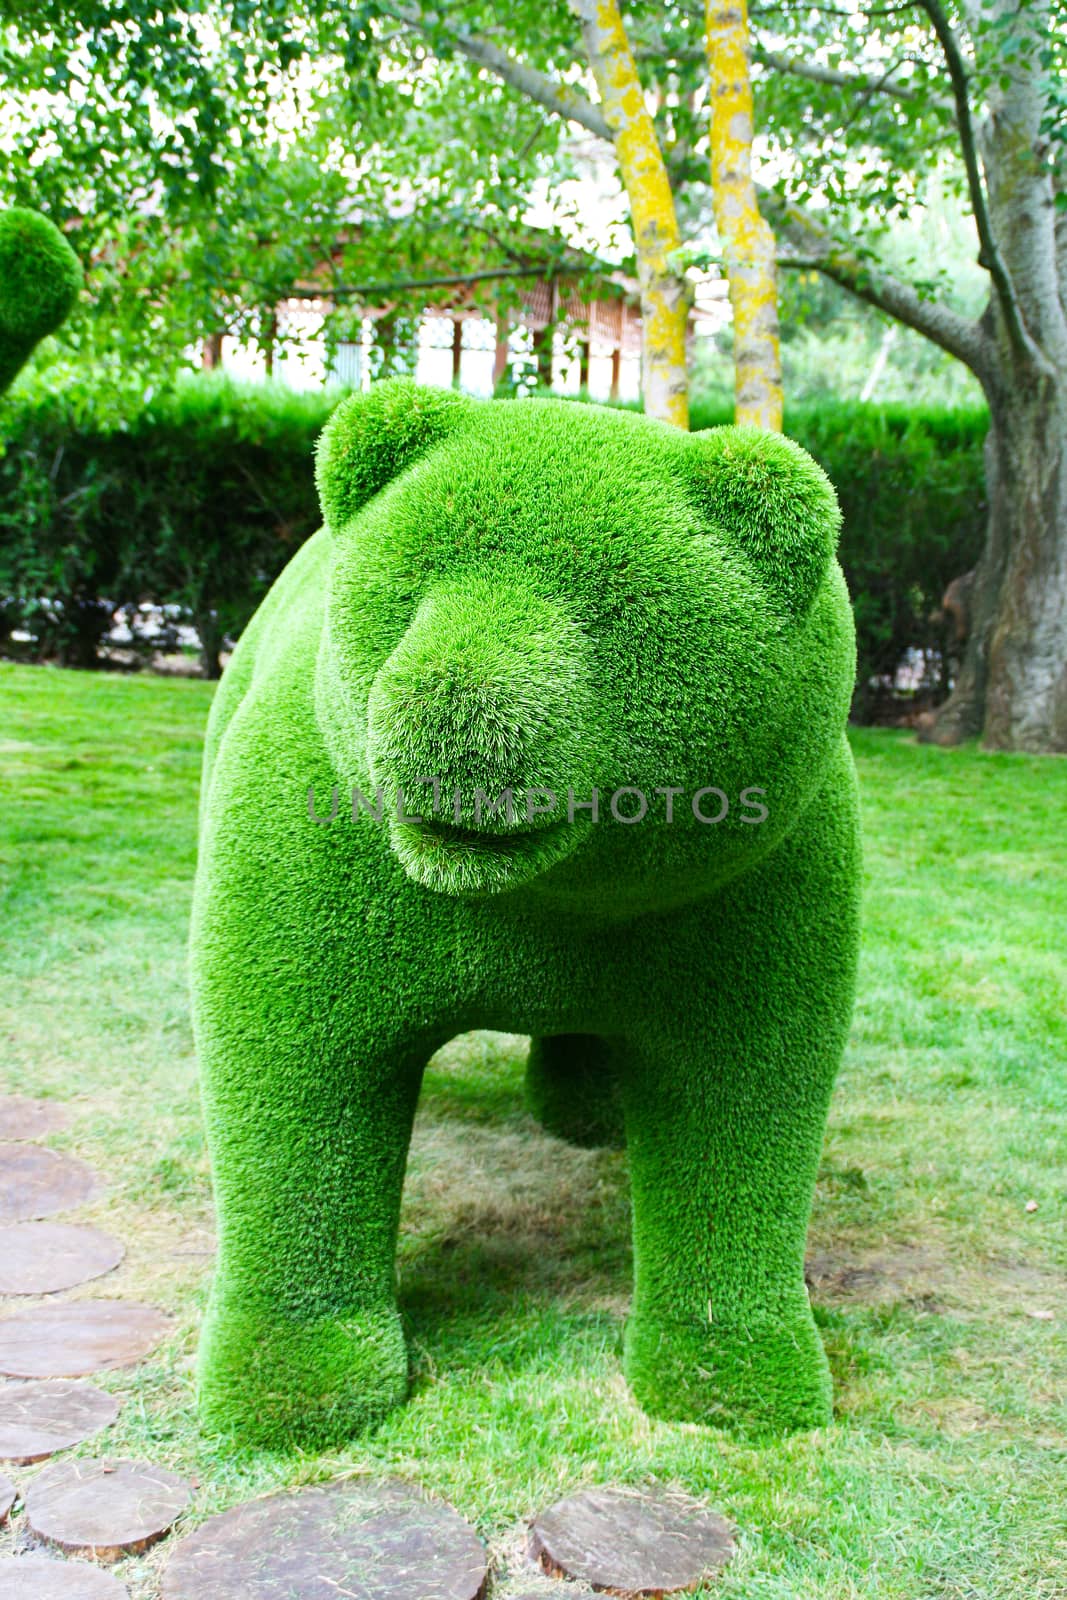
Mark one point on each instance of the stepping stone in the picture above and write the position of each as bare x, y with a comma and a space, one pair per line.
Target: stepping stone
631, 1542
37, 1182
37, 1419
23, 1118
46, 1257
41, 1578
371, 1541
78, 1337
7, 1499
106, 1509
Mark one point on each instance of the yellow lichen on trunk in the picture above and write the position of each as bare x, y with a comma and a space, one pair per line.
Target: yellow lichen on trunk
664, 292
747, 241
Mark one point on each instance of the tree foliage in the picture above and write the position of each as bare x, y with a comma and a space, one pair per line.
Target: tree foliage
205, 161
209, 162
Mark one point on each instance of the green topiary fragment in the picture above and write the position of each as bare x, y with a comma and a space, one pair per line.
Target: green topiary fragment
39, 279
515, 605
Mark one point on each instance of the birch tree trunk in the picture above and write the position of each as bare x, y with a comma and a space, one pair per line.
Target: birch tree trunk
747, 241
665, 295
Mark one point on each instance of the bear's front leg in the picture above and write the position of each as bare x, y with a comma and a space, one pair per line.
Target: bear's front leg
725, 1095
302, 1341
721, 1331
310, 1068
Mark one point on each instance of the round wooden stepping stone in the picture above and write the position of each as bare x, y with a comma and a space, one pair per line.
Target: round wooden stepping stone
37, 1419
46, 1257
7, 1499
41, 1578
23, 1118
37, 1182
631, 1542
105, 1509
370, 1541
78, 1337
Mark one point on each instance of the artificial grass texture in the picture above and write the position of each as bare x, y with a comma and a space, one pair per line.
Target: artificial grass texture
39, 278
938, 1295
535, 600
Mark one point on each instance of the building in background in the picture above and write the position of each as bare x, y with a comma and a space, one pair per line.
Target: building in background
574, 328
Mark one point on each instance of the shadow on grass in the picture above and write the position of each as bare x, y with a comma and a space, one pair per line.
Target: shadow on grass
503, 1226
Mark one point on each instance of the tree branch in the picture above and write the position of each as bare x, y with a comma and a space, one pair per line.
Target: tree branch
989, 255
401, 285
801, 67
760, 10
959, 335
818, 249
558, 98
854, 82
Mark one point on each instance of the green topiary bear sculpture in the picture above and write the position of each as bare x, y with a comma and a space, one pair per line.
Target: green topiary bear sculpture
39, 278
539, 600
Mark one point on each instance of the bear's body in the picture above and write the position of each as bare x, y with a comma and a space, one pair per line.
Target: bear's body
531, 596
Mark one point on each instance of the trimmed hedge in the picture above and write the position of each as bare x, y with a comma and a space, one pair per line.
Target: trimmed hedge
193, 498
196, 497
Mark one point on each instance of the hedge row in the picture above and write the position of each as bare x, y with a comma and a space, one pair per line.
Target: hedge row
195, 498
192, 498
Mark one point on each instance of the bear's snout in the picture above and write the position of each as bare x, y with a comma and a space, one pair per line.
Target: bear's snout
485, 692
477, 717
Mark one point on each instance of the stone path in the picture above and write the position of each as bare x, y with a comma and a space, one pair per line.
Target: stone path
23, 1118
35, 1182
375, 1541
631, 1542
78, 1337
363, 1540
48, 1257
108, 1509
37, 1419
41, 1578
104, 1509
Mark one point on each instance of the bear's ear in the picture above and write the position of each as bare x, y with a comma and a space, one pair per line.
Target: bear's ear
372, 437
773, 502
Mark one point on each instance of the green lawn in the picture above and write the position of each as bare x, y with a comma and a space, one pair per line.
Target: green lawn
941, 1297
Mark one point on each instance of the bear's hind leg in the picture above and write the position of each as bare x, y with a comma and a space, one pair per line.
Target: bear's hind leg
572, 1089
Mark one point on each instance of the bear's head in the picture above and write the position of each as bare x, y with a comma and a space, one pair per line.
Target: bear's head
549, 602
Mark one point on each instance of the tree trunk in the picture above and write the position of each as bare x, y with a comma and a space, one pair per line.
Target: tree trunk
85, 622
1012, 686
747, 242
665, 294
211, 642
